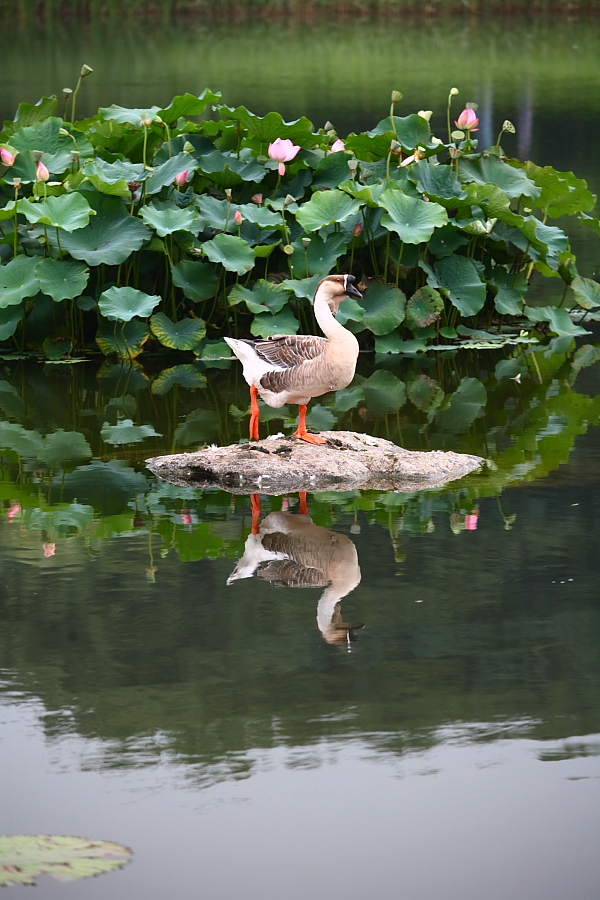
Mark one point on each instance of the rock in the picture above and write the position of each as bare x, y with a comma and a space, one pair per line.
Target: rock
348, 461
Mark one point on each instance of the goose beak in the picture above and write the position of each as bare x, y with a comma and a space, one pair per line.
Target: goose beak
351, 289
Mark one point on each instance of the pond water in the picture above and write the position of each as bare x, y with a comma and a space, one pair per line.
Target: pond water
164, 681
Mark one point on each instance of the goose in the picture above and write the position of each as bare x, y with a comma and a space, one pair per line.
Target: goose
295, 368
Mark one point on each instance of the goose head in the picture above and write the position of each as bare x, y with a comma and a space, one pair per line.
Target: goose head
336, 288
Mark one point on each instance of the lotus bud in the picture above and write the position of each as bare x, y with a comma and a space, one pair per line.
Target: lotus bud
337, 146
85, 70
353, 165
289, 200
425, 114
306, 241
42, 173
238, 218
328, 126
63, 132
37, 155
8, 159
508, 126
288, 249
182, 178
396, 97
358, 230
453, 92
188, 148
257, 198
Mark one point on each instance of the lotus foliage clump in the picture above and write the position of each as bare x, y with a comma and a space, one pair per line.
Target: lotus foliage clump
145, 228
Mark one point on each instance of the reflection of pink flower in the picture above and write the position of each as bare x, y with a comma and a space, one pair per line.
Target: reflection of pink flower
49, 549
14, 510
186, 517
467, 121
7, 157
182, 177
471, 521
42, 173
282, 151
337, 146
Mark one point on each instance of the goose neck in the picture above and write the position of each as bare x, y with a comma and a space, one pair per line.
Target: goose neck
330, 326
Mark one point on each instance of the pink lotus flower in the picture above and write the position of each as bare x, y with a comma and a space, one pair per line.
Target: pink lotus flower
282, 151
49, 549
238, 218
7, 157
257, 198
182, 178
471, 521
14, 510
358, 230
337, 146
42, 173
467, 121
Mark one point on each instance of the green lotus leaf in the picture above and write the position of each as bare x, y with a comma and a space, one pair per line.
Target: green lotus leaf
393, 343
169, 170
511, 290
411, 130
123, 303
369, 146
107, 486
423, 308
326, 208
187, 105
466, 405
586, 292
368, 194
268, 128
319, 257
232, 252
267, 325
26, 856
10, 317
425, 393
264, 296
64, 446
8, 211
166, 221
445, 240
125, 116
303, 287
257, 215
319, 418
561, 192
26, 443
126, 432
384, 393
216, 213
332, 170
413, 220
384, 306
18, 280
71, 211
439, 181
560, 321
198, 280
186, 375
31, 113
200, 426
111, 236
458, 276
215, 354
61, 279
586, 355
113, 189
491, 170
126, 341
350, 311
508, 368
57, 348
56, 147
226, 169
348, 398
115, 172
25, 168
183, 335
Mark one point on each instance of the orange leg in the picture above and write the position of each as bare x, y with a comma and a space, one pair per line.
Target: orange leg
303, 504
303, 434
255, 503
255, 414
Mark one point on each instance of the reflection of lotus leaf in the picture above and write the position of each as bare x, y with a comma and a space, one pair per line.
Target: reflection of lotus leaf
64, 446
122, 378
126, 433
187, 376
126, 341
14, 437
425, 393
384, 393
25, 856
107, 486
60, 522
200, 426
466, 405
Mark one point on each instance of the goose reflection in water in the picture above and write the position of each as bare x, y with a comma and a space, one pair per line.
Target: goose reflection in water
288, 549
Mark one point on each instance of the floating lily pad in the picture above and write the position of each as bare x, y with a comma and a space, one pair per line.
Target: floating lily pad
413, 220
186, 376
18, 280
424, 307
123, 303
126, 341
62, 279
24, 857
232, 252
198, 280
384, 306
182, 335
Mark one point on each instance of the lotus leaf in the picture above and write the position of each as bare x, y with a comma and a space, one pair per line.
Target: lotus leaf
126, 377
267, 325
586, 291
264, 296
393, 343
64, 446
326, 208
413, 220
111, 236
423, 308
56, 348
10, 317
232, 252
508, 368
187, 105
123, 303
59, 522
227, 169
216, 354
12, 405
8, 211
167, 220
384, 393
491, 170
384, 306
106, 486
121, 170
26, 443
320, 418
561, 192
348, 398
183, 335
332, 170
459, 277
200, 426
411, 130
350, 311
187, 376
18, 280
257, 215
168, 171
125, 116
445, 240
23, 857
56, 147
511, 290
585, 355
559, 319
425, 393
30, 113
71, 211
369, 194
126, 432
303, 287
198, 280
127, 340
466, 405
438, 181
319, 257
272, 126
61, 279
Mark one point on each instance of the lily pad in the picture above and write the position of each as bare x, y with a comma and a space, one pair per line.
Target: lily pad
491, 170
326, 208
264, 296
232, 252
186, 376
560, 321
425, 393
23, 857
183, 335
424, 307
69, 212
123, 303
127, 340
64, 446
166, 221
459, 277
111, 236
126, 433
384, 306
413, 220
10, 317
320, 257
198, 280
169, 170
586, 292
18, 280
266, 325
62, 279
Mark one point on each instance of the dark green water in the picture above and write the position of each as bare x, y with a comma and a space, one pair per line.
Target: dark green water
238, 736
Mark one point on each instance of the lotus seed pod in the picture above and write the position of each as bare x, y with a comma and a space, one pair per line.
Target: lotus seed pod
228, 193
86, 70
508, 126
353, 165
395, 146
75, 155
306, 241
453, 92
37, 155
188, 148
288, 249
396, 96
328, 126
458, 135
288, 200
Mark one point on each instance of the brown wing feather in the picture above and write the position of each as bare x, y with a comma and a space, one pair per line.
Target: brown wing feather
289, 350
